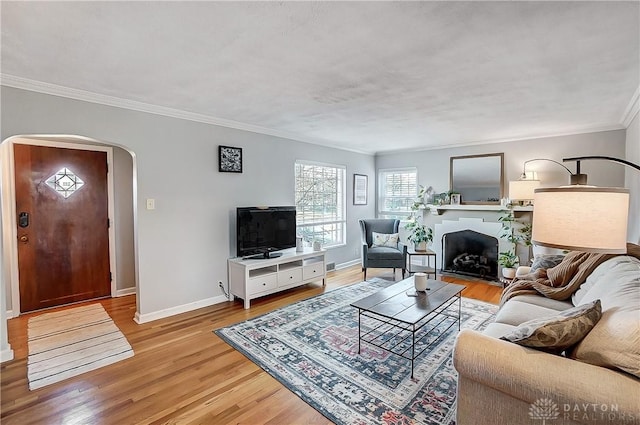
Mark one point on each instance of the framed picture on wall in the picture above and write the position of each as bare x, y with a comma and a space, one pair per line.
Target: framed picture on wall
229, 159
360, 186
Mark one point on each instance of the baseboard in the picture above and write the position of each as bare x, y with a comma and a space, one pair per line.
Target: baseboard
125, 291
347, 264
11, 314
6, 355
149, 317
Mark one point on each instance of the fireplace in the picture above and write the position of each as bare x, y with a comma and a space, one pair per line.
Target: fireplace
470, 253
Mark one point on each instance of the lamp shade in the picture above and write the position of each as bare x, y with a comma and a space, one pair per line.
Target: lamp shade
581, 218
522, 190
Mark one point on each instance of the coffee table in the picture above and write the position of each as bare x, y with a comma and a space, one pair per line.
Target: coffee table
399, 322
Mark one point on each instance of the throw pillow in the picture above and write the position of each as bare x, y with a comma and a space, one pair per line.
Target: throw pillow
383, 239
615, 341
559, 332
545, 261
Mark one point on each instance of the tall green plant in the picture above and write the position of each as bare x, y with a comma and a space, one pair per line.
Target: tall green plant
516, 233
508, 232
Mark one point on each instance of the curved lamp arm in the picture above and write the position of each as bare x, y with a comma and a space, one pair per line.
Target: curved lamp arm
544, 159
576, 178
608, 158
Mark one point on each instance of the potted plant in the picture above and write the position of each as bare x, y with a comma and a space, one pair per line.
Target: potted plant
420, 235
508, 260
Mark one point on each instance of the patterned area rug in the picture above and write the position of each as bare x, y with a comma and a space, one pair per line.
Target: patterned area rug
70, 342
311, 347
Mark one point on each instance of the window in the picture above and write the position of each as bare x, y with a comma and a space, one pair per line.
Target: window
397, 190
321, 203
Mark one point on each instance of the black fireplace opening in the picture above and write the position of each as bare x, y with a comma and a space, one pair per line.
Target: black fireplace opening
470, 253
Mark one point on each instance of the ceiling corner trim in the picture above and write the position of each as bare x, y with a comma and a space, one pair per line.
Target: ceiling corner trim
9, 80
464, 144
632, 109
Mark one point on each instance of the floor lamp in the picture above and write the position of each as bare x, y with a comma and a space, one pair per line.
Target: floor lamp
582, 218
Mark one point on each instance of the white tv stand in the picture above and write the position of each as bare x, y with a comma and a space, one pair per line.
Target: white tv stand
253, 278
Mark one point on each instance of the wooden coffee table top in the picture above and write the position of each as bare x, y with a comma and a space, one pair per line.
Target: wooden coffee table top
394, 303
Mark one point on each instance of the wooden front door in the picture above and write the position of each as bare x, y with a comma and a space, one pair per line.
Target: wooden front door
62, 222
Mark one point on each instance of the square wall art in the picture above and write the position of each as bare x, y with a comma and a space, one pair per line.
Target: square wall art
229, 159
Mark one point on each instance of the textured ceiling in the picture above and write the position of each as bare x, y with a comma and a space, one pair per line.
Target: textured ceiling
366, 76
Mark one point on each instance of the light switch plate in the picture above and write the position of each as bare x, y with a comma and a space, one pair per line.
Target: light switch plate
151, 204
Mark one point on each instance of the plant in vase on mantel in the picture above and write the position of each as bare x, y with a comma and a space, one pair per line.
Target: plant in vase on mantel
420, 201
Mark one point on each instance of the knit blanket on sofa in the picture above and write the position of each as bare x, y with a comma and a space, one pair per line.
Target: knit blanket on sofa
561, 281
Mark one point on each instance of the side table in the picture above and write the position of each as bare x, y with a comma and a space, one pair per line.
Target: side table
414, 268
506, 281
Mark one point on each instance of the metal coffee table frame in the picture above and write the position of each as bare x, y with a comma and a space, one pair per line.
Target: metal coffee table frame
401, 324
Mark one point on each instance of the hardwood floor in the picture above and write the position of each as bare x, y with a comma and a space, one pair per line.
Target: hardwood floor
182, 373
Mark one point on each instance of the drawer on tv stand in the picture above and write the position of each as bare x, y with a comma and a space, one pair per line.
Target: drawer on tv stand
313, 270
289, 276
262, 283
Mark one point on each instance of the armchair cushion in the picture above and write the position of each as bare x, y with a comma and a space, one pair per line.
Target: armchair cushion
384, 253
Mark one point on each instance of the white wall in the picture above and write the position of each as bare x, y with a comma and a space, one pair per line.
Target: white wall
123, 220
184, 243
632, 179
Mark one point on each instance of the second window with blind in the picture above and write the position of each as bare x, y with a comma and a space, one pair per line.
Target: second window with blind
397, 190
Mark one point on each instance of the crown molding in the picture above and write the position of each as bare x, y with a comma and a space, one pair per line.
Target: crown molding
574, 132
632, 109
87, 96
9, 80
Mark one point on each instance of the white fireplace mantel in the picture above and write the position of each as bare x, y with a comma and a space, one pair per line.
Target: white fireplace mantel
480, 218
439, 209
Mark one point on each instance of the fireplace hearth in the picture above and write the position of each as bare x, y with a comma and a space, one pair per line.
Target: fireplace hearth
470, 253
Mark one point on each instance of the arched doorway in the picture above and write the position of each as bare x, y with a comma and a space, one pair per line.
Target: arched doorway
122, 213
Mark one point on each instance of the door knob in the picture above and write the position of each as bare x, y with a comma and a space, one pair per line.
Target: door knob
24, 239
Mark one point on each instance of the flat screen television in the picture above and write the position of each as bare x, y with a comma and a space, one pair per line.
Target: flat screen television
262, 230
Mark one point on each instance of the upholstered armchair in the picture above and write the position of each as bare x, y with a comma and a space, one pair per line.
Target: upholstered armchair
383, 252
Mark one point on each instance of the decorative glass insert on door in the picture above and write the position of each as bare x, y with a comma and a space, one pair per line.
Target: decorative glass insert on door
65, 182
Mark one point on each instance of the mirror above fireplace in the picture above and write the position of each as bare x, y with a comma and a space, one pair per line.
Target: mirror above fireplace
478, 178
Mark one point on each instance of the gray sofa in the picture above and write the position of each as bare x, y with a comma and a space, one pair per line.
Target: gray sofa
595, 382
